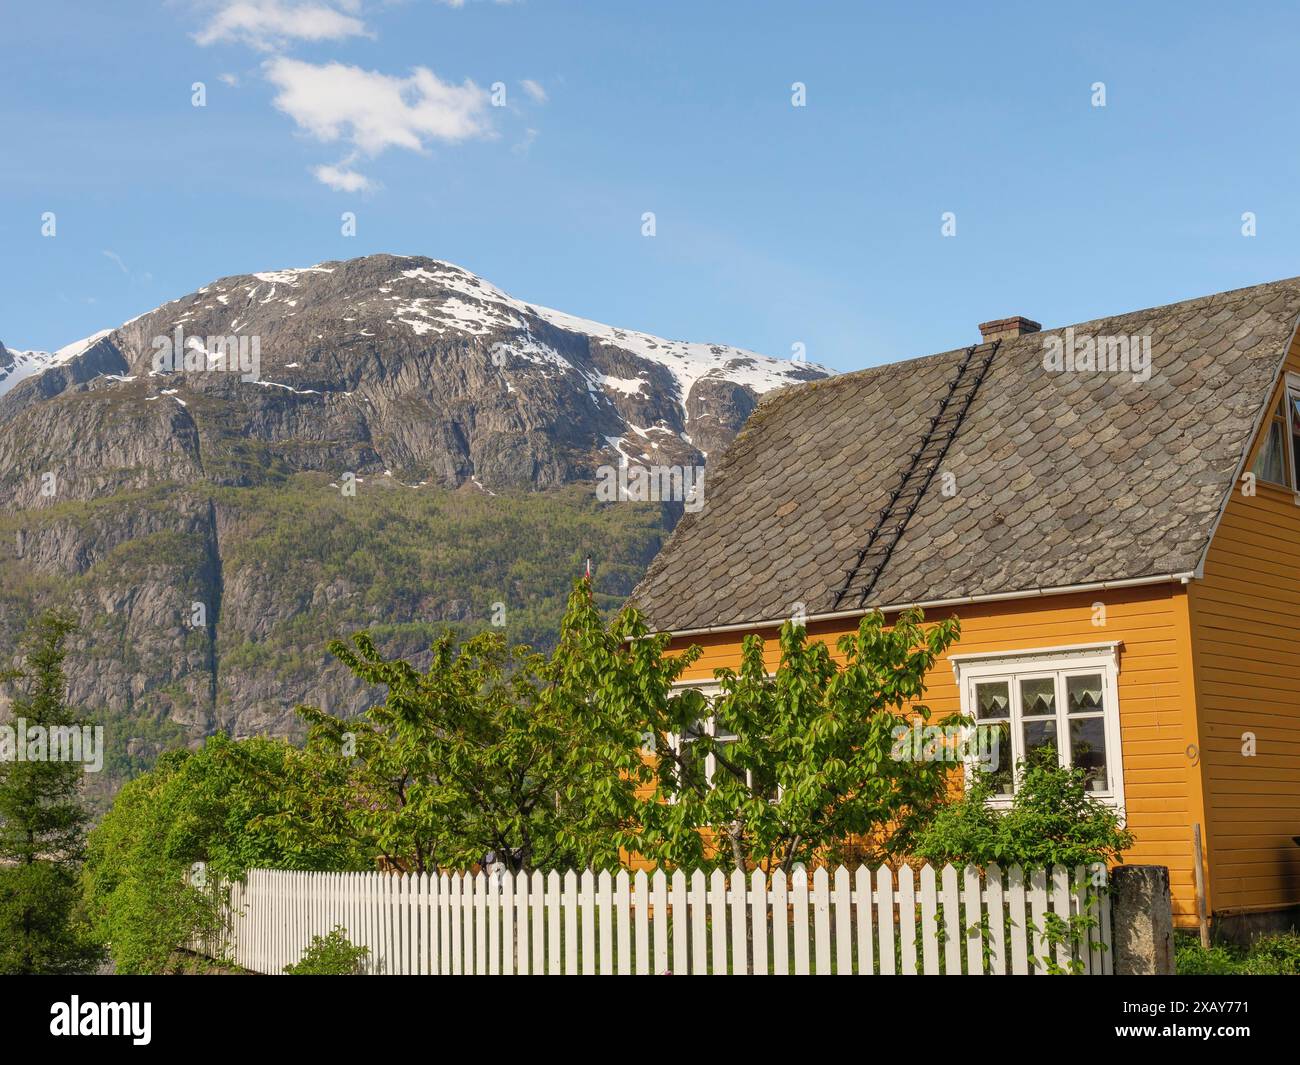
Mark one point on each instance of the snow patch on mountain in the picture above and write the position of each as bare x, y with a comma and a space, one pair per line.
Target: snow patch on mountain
290, 276
687, 362
27, 364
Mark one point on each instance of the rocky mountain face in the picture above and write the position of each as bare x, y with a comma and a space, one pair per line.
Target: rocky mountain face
220, 485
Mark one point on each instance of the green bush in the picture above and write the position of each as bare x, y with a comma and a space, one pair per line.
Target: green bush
331, 955
1052, 820
156, 861
1276, 955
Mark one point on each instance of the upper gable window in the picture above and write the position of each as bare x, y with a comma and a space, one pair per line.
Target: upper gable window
1278, 461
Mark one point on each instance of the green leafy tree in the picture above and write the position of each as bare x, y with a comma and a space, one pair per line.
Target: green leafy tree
777, 769
137, 893
467, 760
498, 753
42, 821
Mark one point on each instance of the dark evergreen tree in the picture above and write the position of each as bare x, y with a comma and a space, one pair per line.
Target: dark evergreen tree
42, 819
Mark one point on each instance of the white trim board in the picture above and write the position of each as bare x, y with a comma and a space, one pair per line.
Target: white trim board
1035, 656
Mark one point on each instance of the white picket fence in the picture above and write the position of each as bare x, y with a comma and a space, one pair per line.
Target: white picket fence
946, 921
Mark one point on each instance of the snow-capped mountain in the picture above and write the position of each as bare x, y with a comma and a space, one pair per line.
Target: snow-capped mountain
419, 367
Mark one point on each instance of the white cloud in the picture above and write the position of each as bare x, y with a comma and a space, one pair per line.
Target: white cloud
268, 24
534, 90
342, 178
117, 259
365, 110
374, 111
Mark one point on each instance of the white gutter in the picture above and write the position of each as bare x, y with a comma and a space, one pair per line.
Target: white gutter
935, 604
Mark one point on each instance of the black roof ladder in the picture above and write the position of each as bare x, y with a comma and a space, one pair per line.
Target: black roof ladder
925, 460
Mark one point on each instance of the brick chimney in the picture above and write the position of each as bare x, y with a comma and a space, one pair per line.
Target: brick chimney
1006, 328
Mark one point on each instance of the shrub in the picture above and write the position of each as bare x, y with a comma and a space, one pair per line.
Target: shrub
1052, 820
156, 861
331, 955
1275, 955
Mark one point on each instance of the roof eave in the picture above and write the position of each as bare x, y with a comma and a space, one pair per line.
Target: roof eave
938, 604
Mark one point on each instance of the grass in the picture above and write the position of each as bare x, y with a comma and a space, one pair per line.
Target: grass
1272, 955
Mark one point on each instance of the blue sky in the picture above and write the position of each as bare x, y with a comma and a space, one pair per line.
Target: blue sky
775, 224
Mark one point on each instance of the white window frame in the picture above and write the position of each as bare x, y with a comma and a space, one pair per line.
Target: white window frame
1060, 663
709, 689
1290, 395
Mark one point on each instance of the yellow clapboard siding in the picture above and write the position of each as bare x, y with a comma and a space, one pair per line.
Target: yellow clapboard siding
1243, 586
1267, 645
1235, 611
1245, 631
1253, 854
1246, 897
1277, 769
1272, 674
1269, 711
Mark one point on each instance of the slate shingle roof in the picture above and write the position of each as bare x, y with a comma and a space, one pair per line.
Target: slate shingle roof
1061, 478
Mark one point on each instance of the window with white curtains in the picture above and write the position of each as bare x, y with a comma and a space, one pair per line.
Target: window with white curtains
1062, 699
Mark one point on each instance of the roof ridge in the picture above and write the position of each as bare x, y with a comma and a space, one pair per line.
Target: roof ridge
1187, 304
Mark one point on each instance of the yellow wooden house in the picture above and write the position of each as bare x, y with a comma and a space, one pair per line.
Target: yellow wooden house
1111, 509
